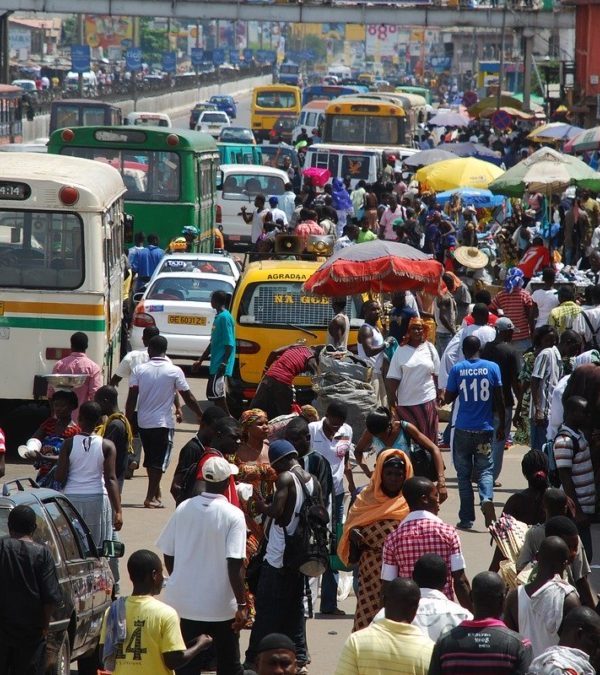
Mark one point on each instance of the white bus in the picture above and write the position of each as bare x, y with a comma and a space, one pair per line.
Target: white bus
61, 271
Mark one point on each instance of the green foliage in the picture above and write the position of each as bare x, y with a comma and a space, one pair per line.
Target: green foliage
153, 42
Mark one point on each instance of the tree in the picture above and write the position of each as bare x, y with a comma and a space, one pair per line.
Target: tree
153, 42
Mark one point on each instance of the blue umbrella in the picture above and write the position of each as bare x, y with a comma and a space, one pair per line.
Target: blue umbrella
427, 157
480, 199
476, 150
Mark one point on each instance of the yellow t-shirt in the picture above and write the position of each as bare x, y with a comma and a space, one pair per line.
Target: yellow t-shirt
152, 630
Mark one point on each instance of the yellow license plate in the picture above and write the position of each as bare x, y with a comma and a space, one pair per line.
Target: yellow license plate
183, 320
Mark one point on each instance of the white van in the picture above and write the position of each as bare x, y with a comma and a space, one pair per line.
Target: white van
310, 118
356, 161
238, 186
148, 119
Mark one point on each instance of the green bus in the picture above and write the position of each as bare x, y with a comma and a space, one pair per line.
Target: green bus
170, 175
420, 91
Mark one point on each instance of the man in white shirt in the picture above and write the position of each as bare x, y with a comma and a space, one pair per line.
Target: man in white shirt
331, 437
386, 222
287, 202
546, 298
204, 546
348, 238
256, 217
152, 387
278, 214
436, 613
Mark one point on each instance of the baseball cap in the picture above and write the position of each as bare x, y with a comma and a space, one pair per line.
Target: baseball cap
217, 469
504, 323
280, 449
273, 200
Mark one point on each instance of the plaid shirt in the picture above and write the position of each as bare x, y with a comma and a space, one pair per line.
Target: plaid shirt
419, 533
563, 316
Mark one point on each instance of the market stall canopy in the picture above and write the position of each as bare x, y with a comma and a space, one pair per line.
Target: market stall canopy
449, 119
463, 172
480, 199
375, 266
505, 101
426, 157
477, 150
513, 112
547, 171
554, 131
586, 141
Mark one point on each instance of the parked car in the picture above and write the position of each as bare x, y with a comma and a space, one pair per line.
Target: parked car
83, 573
178, 304
197, 110
226, 104
212, 122
26, 85
237, 135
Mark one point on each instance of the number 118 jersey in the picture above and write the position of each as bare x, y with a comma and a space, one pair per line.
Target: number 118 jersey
474, 382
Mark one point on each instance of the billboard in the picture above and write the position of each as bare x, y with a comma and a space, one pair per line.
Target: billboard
108, 31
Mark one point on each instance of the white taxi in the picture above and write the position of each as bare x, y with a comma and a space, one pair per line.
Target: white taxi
213, 122
178, 304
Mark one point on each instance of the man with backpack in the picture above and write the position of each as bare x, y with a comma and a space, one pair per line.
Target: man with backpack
587, 323
297, 540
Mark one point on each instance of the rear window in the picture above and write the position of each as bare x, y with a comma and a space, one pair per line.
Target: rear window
213, 117
283, 304
196, 265
186, 289
275, 99
250, 184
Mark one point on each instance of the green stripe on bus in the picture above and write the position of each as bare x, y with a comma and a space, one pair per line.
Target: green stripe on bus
52, 324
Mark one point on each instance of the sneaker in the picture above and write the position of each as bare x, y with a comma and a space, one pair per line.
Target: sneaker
464, 525
489, 512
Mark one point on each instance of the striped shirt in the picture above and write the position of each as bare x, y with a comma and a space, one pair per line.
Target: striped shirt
482, 647
579, 462
515, 306
290, 364
386, 647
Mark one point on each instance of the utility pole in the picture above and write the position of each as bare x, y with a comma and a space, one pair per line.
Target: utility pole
4, 51
502, 48
528, 35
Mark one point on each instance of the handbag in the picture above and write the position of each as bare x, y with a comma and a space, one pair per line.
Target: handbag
420, 458
254, 567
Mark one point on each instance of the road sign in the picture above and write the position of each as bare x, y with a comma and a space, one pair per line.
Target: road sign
80, 58
197, 56
501, 120
169, 62
248, 55
218, 57
234, 56
470, 98
133, 58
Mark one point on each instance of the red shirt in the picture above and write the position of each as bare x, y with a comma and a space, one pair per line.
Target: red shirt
231, 493
515, 305
290, 364
535, 258
492, 318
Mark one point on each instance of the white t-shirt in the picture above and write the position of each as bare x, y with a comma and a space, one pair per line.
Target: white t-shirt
375, 361
257, 224
202, 533
546, 301
548, 368
415, 368
334, 450
157, 380
130, 361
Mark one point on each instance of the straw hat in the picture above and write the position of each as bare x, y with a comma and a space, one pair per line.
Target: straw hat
471, 257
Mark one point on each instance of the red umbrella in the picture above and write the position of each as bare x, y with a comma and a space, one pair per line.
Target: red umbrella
375, 266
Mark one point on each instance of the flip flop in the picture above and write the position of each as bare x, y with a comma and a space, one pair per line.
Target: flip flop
153, 505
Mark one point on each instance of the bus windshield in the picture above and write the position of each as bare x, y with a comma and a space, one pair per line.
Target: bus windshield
283, 303
149, 175
41, 250
365, 130
289, 69
275, 99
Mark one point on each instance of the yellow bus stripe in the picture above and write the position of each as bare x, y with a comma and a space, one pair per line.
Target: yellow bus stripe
15, 307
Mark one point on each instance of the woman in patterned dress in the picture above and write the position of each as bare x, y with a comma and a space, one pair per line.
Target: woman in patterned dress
377, 511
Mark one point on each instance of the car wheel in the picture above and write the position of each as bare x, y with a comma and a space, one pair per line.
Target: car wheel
62, 665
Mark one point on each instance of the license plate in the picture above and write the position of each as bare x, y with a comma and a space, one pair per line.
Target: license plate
234, 237
183, 320
4, 333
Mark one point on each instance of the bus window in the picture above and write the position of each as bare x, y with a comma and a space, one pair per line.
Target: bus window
67, 115
276, 99
149, 175
41, 250
356, 166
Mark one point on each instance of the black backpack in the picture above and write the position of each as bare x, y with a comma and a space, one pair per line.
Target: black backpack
593, 343
307, 550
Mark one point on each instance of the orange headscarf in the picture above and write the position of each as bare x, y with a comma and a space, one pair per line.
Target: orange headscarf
372, 504
415, 321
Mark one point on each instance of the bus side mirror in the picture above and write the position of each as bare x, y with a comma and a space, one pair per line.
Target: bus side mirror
128, 227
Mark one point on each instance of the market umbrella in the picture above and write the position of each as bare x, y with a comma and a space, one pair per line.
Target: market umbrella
449, 119
426, 157
546, 171
375, 266
467, 149
585, 141
554, 131
456, 173
480, 199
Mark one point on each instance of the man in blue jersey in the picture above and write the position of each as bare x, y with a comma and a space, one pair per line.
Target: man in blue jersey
476, 385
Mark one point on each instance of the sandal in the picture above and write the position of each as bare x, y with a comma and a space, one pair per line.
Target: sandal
153, 505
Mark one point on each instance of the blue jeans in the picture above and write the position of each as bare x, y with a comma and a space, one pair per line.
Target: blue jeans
499, 446
329, 582
441, 342
279, 609
472, 450
537, 434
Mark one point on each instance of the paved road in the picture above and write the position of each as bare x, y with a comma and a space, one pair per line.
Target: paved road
242, 119
325, 634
